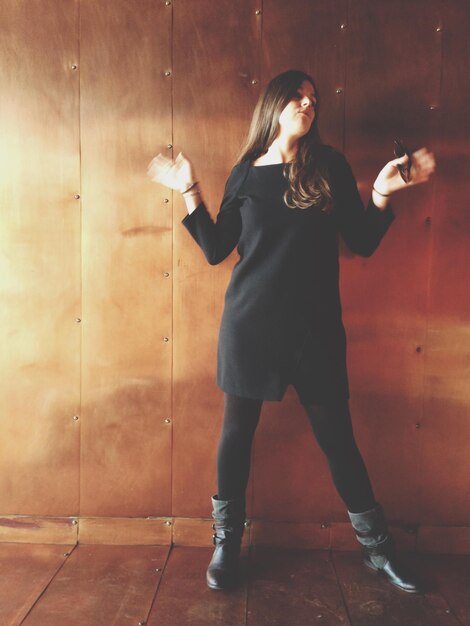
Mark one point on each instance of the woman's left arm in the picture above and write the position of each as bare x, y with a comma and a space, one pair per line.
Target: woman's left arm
389, 179
363, 228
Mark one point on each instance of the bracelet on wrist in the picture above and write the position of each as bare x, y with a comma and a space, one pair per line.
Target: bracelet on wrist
385, 195
190, 186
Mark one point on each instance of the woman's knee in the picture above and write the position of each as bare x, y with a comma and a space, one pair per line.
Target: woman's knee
241, 415
332, 427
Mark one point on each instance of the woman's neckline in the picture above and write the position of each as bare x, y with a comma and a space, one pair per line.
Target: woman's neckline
270, 164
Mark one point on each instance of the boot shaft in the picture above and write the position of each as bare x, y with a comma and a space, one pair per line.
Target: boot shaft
370, 526
229, 520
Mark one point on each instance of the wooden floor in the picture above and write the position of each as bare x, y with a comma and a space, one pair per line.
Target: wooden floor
88, 585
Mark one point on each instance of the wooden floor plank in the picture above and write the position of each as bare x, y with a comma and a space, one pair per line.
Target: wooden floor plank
119, 585
184, 599
25, 570
373, 601
292, 587
452, 574
101, 585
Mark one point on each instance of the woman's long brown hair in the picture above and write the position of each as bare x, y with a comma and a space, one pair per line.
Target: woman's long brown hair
308, 174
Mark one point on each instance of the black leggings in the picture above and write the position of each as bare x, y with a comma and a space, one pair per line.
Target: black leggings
331, 424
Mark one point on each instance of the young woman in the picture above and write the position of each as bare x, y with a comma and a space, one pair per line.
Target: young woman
285, 201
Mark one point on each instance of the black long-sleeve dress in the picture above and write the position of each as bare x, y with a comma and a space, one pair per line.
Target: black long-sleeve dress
282, 302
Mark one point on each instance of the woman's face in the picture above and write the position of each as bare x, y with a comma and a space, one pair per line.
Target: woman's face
297, 116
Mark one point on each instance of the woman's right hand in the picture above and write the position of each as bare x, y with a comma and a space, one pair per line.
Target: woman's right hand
178, 175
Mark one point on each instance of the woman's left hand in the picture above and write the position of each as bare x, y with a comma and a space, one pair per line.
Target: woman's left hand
389, 179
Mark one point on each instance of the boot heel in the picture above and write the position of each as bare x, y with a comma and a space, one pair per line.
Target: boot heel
371, 566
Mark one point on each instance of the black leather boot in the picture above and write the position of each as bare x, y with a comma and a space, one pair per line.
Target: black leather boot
378, 549
224, 569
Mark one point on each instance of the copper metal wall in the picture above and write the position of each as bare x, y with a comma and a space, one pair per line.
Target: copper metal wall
39, 258
110, 313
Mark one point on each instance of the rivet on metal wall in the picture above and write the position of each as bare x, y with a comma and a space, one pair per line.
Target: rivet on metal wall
167, 523
167, 73
165, 339
77, 196
66, 553
254, 81
167, 420
167, 3
165, 200
75, 417
433, 107
169, 146
258, 12
428, 221
439, 29
343, 26
339, 90
419, 349
324, 525
247, 523
74, 522
417, 425
78, 320
74, 67
158, 569
166, 274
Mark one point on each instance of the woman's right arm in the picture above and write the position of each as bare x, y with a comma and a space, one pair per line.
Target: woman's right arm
192, 198
216, 239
